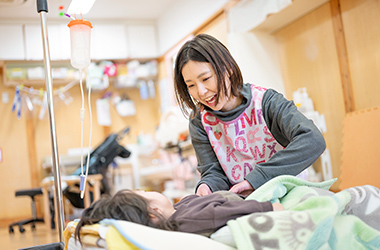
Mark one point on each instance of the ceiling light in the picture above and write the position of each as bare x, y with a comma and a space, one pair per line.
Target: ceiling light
80, 6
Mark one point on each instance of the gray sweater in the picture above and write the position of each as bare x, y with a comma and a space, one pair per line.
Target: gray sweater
302, 141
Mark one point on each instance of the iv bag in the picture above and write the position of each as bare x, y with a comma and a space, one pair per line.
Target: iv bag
80, 34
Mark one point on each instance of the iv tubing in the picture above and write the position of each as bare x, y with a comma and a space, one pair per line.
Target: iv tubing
81, 121
89, 143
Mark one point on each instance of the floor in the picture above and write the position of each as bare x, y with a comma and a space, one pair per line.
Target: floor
30, 238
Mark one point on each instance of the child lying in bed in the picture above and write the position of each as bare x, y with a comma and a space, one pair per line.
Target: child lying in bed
193, 214
314, 218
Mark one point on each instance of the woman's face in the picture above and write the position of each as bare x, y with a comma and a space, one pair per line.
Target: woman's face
202, 84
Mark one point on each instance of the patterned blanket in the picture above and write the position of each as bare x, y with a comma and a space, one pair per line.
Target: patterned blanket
314, 218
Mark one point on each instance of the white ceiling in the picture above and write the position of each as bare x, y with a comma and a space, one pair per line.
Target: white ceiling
14, 10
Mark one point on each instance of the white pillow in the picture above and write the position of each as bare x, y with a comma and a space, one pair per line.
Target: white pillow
224, 235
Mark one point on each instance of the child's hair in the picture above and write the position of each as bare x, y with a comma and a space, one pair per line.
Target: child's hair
124, 205
205, 48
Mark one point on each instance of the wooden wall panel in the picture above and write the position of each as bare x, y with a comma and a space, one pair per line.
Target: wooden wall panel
14, 168
361, 22
309, 59
360, 161
341, 49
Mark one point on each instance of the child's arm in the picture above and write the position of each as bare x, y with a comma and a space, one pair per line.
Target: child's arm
278, 206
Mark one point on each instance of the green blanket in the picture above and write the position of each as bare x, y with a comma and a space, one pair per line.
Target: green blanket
314, 218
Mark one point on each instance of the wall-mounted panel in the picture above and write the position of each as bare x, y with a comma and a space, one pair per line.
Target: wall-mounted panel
11, 42
109, 41
59, 42
142, 41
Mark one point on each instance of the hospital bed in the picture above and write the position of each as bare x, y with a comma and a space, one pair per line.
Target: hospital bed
139, 237
312, 219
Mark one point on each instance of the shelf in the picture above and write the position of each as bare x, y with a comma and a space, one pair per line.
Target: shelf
32, 74
37, 82
297, 9
114, 82
269, 16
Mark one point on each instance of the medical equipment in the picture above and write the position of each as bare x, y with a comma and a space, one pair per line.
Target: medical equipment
42, 9
80, 34
98, 163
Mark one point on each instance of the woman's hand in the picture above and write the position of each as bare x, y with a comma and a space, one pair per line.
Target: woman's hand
203, 190
242, 188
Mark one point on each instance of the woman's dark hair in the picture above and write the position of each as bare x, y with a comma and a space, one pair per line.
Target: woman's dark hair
205, 48
124, 205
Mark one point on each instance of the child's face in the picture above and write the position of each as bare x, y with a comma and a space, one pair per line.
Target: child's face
158, 202
202, 84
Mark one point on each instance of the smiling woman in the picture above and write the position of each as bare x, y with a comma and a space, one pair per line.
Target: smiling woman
243, 135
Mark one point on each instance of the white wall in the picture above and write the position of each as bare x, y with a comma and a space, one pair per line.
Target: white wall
182, 18
257, 57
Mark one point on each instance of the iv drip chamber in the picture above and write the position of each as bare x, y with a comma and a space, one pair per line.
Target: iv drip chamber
80, 34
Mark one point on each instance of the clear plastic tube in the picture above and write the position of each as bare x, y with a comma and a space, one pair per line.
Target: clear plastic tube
89, 142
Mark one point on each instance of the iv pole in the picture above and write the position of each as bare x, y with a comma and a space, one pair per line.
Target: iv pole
42, 8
